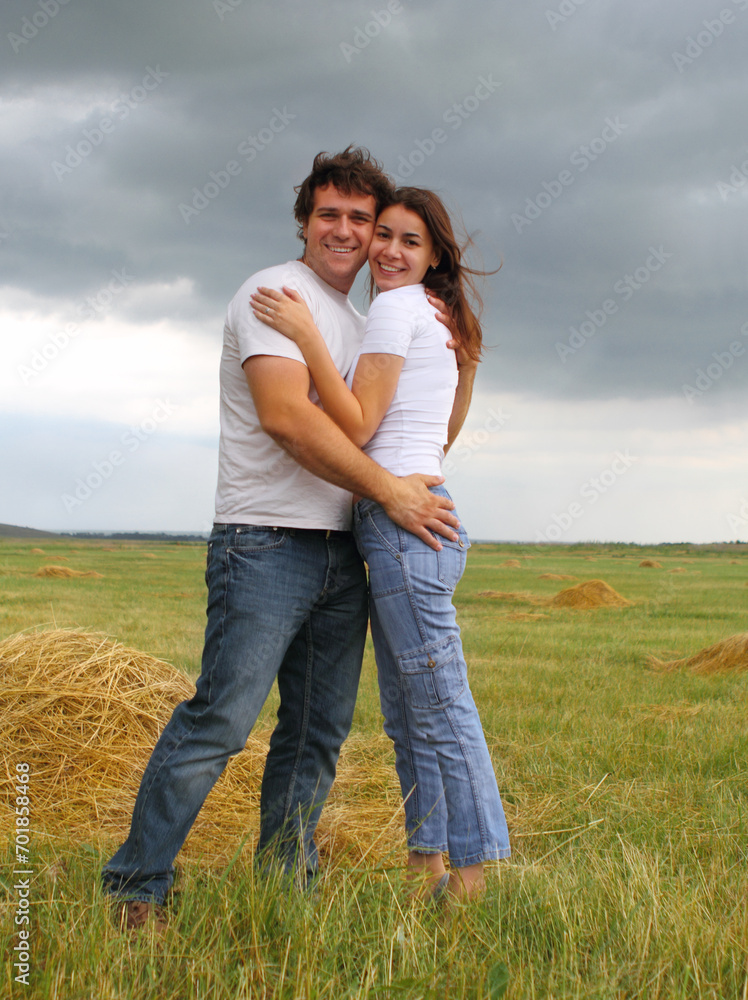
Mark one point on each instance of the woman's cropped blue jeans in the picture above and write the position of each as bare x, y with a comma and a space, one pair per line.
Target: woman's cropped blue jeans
282, 602
452, 800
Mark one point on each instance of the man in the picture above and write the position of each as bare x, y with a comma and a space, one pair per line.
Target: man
286, 586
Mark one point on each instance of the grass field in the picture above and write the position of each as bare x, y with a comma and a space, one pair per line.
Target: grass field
625, 789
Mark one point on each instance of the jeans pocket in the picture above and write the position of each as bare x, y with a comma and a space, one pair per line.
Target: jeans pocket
249, 538
451, 560
434, 675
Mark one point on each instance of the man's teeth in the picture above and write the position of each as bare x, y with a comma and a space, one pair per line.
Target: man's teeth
341, 249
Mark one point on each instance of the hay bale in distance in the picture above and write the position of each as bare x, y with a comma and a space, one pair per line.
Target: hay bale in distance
728, 656
650, 564
512, 564
590, 594
556, 576
37, 552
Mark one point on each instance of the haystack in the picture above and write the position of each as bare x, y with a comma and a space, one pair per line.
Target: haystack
730, 655
556, 576
650, 564
512, 564
37, 552
65, 572
85, 711
590, 594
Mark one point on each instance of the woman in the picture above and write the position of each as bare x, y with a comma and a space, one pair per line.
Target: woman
403, 410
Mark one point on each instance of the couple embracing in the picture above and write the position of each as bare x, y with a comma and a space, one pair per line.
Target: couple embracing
333, 429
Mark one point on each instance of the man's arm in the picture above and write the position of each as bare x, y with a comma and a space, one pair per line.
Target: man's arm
280, 389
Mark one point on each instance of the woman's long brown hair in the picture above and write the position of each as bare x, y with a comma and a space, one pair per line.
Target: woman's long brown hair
451, 279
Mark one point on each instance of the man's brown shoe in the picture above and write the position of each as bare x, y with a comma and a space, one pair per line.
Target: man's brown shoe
137, 915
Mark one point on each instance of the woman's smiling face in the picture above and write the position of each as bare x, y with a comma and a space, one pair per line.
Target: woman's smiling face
401, 250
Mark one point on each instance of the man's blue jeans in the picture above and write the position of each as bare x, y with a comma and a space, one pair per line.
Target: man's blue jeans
283, 602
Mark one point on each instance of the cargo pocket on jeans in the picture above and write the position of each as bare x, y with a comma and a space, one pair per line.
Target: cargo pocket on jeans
433, 675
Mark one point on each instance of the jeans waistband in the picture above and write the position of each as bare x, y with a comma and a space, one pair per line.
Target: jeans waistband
321, 532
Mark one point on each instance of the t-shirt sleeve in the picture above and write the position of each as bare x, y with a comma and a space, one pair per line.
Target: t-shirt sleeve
390, 326
252, 335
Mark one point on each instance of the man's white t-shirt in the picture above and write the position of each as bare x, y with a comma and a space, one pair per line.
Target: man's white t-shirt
413, 431
258, 481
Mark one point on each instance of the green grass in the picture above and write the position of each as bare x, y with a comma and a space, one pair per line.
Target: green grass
626, 792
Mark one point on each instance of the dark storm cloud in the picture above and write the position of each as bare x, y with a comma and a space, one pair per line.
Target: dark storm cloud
581, 142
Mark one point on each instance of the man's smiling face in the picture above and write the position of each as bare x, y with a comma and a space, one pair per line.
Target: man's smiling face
338, 233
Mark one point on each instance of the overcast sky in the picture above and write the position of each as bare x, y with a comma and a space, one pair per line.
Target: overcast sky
595, 147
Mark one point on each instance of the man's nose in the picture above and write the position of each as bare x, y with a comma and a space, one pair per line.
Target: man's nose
343, 227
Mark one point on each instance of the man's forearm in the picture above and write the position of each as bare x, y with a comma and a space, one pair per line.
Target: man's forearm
320, 446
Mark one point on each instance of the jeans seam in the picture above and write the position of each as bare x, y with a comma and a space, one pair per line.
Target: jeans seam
304, 728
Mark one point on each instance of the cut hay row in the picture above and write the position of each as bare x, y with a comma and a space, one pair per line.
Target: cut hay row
65, 572
728, 656
85, 711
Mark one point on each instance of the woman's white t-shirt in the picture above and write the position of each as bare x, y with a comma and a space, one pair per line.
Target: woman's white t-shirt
413, 432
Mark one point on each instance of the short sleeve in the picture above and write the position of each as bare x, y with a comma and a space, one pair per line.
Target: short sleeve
390, 325
252, 335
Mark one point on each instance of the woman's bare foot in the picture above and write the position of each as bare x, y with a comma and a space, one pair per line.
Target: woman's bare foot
467, 883
425, 873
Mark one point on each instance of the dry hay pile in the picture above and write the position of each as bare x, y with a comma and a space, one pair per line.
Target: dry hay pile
556, 576
37, 552
522, 597
650, 564
512, 564
65, 572
730, 655
590, 594
85, 711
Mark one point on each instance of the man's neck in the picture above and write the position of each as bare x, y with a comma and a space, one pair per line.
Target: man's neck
340, 290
